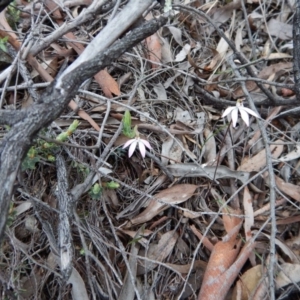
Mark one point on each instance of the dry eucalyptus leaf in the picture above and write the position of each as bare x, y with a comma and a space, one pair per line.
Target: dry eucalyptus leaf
293, 272
279, 29
170, 149
166, 53
183, 53
158, 252
174, 195
220, 53
291, 155
182, 116
153, 45
249, 282
290, 189
184, 269
249, 214
177, 34
160, 91
210, 147
286, 249
108, 84
78, 291
258, 161
24, 206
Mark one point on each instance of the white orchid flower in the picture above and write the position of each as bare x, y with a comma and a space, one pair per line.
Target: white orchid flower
137, 141
239, 108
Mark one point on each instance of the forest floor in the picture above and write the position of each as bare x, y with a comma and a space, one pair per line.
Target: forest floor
207, 204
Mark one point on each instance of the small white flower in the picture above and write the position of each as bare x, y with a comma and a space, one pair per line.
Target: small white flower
239, 108
134, 142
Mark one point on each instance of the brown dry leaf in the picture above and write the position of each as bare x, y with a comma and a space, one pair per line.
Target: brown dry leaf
274, 112
158, 252
210, 152
278, 55
220, 53
154, 50
174, 195
285, 248
274, 68
166, 51
128, 287
222, 14
249, 282
183, 53
221, 270
176, 32
291, 155
160, 91
78, 291
171, 150
288, 188
279, 29
249, 216
258, 161
287, 92
232, 223
293, 272
84, 115
263, 74
205, 241
52, 67
107, 83
61, 51
184, 269
221, 258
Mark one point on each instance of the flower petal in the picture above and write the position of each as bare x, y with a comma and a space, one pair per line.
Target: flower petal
128, 143
244, 116
228, 110
132, 147
234, 116
146, 143
142, 148
250, 111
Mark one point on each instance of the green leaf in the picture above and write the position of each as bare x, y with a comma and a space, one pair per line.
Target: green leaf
127, 131
29, 163
112, 185
96, 191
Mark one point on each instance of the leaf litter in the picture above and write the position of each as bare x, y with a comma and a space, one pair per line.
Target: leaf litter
180, 238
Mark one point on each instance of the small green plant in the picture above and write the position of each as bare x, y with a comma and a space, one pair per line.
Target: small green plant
13, 14
127, 130
112, 185
97, 190
45, 150
11, 215
3, 43
80, 168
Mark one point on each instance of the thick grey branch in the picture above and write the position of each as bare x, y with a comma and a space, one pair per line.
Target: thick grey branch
11, 117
